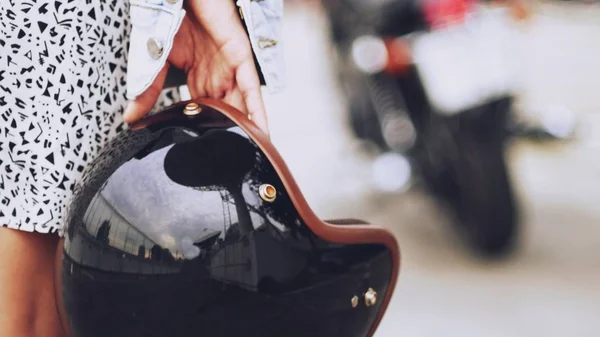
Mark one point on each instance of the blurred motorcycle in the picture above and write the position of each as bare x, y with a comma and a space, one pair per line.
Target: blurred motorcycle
429, 83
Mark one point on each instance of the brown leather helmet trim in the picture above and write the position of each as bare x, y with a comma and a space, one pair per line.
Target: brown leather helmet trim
358, 233
346, 222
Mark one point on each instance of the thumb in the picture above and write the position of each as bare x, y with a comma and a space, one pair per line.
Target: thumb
142, 105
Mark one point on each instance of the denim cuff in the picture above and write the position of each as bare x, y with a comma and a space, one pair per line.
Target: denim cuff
154, 25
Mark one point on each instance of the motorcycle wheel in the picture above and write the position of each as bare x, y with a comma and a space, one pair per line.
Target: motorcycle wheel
487, 209
483, 197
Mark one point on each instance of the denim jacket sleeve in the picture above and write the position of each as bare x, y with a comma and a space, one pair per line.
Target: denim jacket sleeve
156, 22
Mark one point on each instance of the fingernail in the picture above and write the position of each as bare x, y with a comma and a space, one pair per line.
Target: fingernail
128, 111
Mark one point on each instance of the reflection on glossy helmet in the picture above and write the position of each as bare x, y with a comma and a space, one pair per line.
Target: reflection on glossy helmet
168, 236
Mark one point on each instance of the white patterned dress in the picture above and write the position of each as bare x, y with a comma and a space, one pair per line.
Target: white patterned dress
62, 93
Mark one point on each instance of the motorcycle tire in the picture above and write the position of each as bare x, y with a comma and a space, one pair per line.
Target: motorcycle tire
487, 208
484, 198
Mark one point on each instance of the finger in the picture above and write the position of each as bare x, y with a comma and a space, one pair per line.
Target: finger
236, 99
196, 82
140, 107
220, 81
249, 86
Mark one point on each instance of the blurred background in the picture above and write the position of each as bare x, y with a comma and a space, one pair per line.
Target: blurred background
468, 129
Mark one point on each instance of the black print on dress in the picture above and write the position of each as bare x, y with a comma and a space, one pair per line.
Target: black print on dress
62, 93
53, 85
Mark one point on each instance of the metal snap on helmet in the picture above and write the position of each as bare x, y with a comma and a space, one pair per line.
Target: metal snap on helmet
190, 224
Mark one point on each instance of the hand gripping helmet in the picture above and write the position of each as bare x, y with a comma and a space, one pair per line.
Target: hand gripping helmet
190, 224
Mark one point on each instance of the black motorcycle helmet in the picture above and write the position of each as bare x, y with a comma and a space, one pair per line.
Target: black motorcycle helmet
190, 224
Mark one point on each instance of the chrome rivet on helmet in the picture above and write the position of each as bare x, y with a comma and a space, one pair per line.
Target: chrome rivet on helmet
192, 109
370, 297
354, 301
155, 48
267, 192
